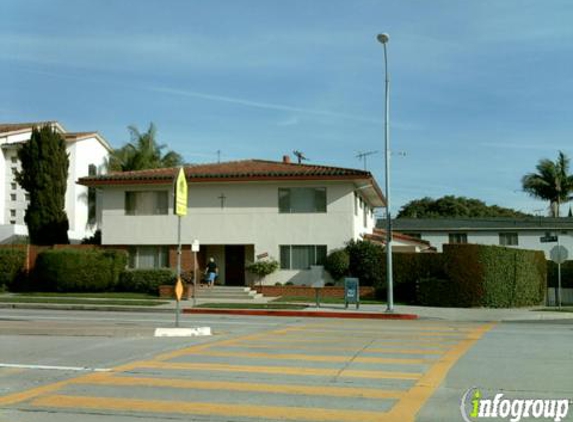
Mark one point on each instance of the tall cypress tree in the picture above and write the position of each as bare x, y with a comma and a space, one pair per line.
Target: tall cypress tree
44, 176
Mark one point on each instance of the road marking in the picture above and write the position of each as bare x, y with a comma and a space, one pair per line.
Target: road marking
416, 351
402, 341
54, 368
370, 393
407, 408
211, 409
280, 370
321, 358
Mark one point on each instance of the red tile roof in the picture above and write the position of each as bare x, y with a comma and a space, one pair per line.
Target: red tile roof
379, 236
73, 136
246, 170
13, 127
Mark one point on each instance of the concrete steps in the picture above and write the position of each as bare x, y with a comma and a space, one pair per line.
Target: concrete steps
224, 293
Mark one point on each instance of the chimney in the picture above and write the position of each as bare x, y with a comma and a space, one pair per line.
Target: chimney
286, 159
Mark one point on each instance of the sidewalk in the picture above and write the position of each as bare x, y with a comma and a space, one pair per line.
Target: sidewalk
337, 311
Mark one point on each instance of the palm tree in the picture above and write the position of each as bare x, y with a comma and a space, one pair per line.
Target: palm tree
143, 152
552, 182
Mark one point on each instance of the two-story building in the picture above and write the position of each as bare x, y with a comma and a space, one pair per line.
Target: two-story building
239, 211
87, 152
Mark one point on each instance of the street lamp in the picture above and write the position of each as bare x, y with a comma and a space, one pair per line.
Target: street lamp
384, 38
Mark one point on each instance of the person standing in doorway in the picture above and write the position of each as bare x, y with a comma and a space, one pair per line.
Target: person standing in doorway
211, 272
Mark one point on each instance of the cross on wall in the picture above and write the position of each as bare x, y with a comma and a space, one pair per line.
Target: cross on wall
222, 198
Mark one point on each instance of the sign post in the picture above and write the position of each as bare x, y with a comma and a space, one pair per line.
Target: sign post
180, 211
195, 248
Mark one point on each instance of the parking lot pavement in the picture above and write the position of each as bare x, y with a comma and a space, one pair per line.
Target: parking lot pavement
330, 370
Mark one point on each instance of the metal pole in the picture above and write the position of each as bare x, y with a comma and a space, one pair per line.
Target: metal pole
384, 38
194, 279
177, 310
559, 270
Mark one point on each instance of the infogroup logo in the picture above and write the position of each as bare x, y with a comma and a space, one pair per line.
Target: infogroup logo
474, 407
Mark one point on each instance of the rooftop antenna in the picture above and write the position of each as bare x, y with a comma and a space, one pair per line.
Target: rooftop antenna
218, 156
363, 155
300, 156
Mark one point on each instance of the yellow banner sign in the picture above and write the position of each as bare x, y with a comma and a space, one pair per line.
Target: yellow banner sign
181, 194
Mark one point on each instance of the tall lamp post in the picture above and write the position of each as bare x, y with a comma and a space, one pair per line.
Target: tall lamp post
383, 39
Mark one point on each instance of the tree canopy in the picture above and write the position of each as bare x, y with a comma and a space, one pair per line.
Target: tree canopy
454, 206
552, 182
44, 176
143, 152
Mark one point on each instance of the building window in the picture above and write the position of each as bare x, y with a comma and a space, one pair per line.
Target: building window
458, 238
14, 186
301, 257
14, 159
12, 197
300, 200
14, 171
508, 239
27, 196
13, 222
12, 213
148, 257
355, 204
146, 203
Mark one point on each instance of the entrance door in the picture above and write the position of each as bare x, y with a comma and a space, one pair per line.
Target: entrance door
234, 265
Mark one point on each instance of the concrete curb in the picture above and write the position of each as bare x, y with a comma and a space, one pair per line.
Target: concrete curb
306, 314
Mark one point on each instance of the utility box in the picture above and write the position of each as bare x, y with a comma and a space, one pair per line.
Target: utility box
351, 292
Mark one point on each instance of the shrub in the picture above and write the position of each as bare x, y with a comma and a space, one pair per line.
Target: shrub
263, 267
337, 263
145, 280
79, 270
566, 274
365, 262
12, 263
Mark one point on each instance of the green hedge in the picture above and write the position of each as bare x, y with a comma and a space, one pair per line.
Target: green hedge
145, 281
12, 263
493, 276
79, 270
433, 291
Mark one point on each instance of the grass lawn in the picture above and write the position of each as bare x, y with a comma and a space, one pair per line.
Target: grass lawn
325, 300
121, 299
111, 295
250, 306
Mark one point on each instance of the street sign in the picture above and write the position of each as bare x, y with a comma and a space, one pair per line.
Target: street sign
195, 246
178, 289
548, 239
181, 194
559, 254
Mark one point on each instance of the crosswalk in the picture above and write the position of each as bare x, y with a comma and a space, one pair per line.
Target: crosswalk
339, 371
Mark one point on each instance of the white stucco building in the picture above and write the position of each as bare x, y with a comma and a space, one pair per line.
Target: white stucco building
239, 211
524, 233
87, 152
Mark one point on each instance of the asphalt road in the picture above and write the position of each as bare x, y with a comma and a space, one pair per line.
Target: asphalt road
86, 366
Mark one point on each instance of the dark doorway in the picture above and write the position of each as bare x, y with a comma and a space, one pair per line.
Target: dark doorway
235, 265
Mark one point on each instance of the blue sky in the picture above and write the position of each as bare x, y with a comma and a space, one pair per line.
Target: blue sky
480, 90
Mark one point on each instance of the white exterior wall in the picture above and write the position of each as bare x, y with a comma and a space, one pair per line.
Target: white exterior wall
82, 154
527, 239
358, 212
250, 217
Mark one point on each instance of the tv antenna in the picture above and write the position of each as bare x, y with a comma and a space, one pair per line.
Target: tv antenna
300, 156
363, 155
218, 155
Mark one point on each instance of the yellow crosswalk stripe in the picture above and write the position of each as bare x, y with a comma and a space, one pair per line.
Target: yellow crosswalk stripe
280, 370
319, 358
211, 409
305, 390
328, 348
